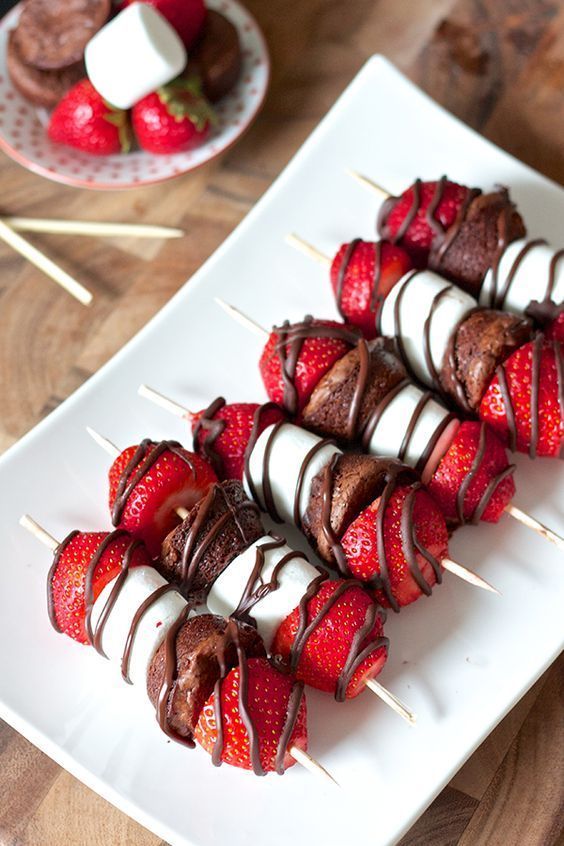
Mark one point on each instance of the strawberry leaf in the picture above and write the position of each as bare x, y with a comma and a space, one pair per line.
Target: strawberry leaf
183, 100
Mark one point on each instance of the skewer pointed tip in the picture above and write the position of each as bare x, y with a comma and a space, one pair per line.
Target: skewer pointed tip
241, 318
468, 575
308, 249
27, 521
535, 525
314, 767
392, 701
164, 402
105, 443
368, 183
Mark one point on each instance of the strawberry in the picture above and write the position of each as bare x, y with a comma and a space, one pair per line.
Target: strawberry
186, 16
83, 119
515, 421
147, 484
455, 466
266, 703
419, 237
223, 435
68, 581
360, 545
329, 646
174, 118
309, 350
555, 331
370, 272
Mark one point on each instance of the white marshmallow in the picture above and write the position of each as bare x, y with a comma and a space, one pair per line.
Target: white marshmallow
293, 579
289, 449
530, 279
392, 426
140, 583
420, 290
133, 55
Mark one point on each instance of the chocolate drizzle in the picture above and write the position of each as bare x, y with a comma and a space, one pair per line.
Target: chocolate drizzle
375, 297
490, 489
292, 710
170, 675
290, 339
195, 547
142, 461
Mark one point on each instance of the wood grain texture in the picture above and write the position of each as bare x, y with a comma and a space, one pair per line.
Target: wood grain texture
497, 64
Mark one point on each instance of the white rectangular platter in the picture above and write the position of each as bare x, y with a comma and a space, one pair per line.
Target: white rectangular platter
461, 659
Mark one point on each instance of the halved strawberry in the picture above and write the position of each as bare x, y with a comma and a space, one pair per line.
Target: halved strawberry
297, 355
360, 544
514, 421
266, 701
149, 482
68, 582
370, 272
452, 473
325, 660
223, 436
420, 234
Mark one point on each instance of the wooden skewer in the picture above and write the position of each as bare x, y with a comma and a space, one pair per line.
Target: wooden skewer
241, 318
299, 755
45, 264
467, 575
305, 247
40, 533
535, 525
369, 183
392, 701
114, 451
164, 402
311, 764
90, 227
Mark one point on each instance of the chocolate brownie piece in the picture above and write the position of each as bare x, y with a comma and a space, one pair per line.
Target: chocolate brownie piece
470, 247
217, 57
52, 34
480, 343
327, 411
221, 526
201, 644
355, 481
41, 87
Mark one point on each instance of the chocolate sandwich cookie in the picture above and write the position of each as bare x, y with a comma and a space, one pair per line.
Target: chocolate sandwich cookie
220, 527
339, 492
41, 87
475, 242
217, 56
484, 340
52, 34
203, 651
344, 399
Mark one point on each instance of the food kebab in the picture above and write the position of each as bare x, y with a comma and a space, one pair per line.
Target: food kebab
339, 385
476, 240
208, 678
365, 516
330, 633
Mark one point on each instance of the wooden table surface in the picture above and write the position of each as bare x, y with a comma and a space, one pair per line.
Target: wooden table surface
497, 64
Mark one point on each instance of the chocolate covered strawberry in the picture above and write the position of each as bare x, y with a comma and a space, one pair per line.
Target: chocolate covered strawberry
84, 563
149, 482
84, 120
335, 643
255, 716
422, 212
224, 433
362, 273
297, 355
173, 119
474, 480
524, 402
396, 545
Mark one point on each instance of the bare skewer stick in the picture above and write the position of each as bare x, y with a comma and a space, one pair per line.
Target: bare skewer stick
305, 247
241, 318
114, 451
368, 183
95, 228
45, 264
299, 755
